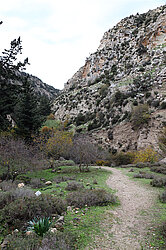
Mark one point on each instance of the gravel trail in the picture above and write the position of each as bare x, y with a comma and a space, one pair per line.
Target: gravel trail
127, 225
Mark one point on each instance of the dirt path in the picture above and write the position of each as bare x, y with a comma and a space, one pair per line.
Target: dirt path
127, 228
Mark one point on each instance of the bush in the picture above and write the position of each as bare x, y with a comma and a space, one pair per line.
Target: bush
102, 163
5, 199
122, 158
57, 145
140, 116
46, 129
33, 242
36, 183
18, 242
23, 210
96, 197
51, 117
59, 163
144, 175
22, 193
158, 182
146, 155
103, 90
162, 140
17, 157
159, 169
73, 186
8, 185
163, 105
162, 197
80, 119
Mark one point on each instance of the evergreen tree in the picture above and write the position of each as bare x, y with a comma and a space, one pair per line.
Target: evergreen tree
27, 113
8, 72
45, 106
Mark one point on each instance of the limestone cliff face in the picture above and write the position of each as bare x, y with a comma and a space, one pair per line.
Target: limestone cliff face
127, 70
41, 88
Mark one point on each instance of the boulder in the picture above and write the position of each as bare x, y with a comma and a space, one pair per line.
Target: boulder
48, 183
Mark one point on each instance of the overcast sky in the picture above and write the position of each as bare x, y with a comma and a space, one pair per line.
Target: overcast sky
58, 35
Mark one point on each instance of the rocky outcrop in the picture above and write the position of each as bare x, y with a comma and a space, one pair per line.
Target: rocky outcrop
127, 70
42, 88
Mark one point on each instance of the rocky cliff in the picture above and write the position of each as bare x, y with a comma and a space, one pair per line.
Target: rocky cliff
127, 71
40, 87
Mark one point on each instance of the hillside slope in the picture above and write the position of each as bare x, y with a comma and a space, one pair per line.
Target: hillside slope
40, 87
127, 70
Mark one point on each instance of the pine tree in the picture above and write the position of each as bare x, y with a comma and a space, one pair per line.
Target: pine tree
27, 113
45, 106
8, 73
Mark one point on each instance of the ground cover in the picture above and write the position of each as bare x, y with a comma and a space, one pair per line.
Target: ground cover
80, 222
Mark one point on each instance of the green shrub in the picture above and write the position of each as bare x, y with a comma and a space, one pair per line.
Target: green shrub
8, 185
159, 169
73, 186
80, 119
49, 241
140, 116
22, 193
96, 197
158, 182
162, 197
36, 183
103, 90
163, 105
144, 175
22, 210
5, 199
18, 242
9, 196
122, 158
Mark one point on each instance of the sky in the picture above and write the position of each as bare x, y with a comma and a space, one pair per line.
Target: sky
58, 35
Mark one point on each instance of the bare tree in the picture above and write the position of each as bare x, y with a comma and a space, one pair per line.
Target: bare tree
84, 152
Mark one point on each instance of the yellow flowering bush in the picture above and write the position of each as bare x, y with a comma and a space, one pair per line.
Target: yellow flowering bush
101, 163
146, 155
58, 144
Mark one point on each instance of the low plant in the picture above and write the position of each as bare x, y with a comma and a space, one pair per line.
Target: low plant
5, 199
39, 226
158, 182
18, 241
162, 197
59, 240
159, 169
87, 197
144, 175
122, 158
36, 183
24, 209
73, 186
22, 193
8, 185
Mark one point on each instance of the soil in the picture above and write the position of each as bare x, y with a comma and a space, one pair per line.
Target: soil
130, 225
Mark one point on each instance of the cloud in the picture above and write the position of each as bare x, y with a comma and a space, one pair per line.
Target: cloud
58, 35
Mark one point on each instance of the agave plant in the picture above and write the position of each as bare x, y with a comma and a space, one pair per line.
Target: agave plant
39, 226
